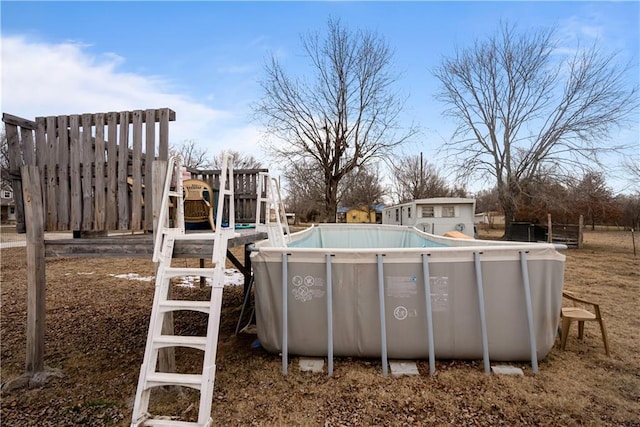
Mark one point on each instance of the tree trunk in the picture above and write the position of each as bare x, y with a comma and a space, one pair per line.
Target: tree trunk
507, 197
331, 200
509, 213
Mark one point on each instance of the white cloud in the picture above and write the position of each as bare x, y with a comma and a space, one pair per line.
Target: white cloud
42, 79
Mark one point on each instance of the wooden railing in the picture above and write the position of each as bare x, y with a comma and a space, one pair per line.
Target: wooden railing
245, 183
94, 171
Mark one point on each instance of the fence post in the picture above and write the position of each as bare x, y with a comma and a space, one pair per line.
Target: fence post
36, 279
580, 231
550, 230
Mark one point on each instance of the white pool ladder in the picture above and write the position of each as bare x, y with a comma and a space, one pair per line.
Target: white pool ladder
275, 218
162, 304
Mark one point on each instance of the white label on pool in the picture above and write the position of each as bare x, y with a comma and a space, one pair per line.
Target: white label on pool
401, 286
307, 288
439, 293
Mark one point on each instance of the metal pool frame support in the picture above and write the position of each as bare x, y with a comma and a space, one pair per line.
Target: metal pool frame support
329, 315
285, 331
527, 298
383, 322
427, 296
483, 320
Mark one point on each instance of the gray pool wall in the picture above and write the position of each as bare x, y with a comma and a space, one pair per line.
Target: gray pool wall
357, 324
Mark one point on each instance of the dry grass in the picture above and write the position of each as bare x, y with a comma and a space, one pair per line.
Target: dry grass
97, 324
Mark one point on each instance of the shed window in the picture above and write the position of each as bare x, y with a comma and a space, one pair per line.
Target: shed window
427, 212
397, 214
409, 212
448, 211
6, 194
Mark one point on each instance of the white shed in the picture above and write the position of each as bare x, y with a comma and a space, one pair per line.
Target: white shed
436, 216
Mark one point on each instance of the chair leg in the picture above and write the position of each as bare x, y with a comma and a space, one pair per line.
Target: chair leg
580, 330
211, 223
566, 324
604, 336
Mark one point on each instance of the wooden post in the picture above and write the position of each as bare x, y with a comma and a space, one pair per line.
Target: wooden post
549, 229
36, 279
580, 231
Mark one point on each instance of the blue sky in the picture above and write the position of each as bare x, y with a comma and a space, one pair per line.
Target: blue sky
205, 59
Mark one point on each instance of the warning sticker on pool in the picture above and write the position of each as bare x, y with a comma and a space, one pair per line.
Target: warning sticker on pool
306, 288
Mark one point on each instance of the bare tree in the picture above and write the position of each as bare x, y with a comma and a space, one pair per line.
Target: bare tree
519, 110
630, 207
593, 197
304, 191
192, 155
632, 166
545, 194
362, 189
240, 160
416, 178
345, 117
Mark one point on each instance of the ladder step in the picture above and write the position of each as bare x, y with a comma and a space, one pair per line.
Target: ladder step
159, 422
180, 340
188, 271
194, 236
175, 305
157, 379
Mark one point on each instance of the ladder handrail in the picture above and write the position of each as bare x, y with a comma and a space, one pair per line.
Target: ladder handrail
278, 232
282, 217
174, 165
225, 192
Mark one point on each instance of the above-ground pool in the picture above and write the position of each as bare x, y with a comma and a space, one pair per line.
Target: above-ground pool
360, 290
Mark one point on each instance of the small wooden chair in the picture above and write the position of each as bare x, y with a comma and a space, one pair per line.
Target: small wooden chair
581, 315
198, 202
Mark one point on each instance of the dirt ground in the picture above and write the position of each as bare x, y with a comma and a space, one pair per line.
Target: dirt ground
96, 328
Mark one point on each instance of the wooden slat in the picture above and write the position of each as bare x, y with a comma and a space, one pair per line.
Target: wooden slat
36, 279
159, 172
166, 115
112, 171
27, 146
75, 161
15, 162
99, 213
41, 154
52, 174
63, 205
136, 198
87, 173
123, 154
150, 154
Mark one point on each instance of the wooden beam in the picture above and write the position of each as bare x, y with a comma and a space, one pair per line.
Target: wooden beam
10, 119
137, 246
36, 279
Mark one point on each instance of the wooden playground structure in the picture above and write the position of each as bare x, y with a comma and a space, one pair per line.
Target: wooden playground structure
93, 174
